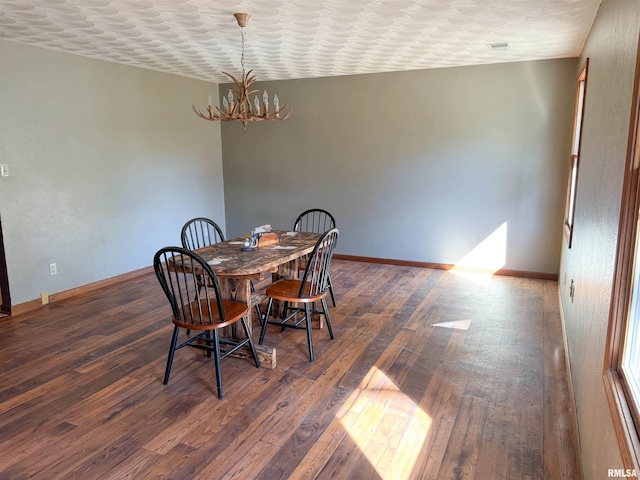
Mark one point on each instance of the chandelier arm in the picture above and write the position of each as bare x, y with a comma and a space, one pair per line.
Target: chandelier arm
282, 117
234, 110
281, 109
210, 117
235, 80
198, 112
220, 113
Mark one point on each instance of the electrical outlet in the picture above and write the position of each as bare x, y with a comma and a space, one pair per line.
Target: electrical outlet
4, 170
45, 298
53, 269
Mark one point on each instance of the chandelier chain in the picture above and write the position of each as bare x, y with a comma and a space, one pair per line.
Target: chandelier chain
242, 58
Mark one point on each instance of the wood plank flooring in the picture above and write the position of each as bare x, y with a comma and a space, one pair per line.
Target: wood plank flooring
392, 397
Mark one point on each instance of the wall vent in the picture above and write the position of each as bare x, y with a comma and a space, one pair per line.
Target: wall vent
499, 47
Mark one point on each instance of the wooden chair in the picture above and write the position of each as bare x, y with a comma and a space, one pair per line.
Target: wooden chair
314, 220
201, 232
318, 221
194, 295
313, 287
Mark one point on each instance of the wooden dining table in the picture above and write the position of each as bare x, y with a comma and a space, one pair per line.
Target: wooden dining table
236, 269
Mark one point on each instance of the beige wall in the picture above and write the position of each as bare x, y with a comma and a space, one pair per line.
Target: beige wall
611, 49
420, 165
106, 164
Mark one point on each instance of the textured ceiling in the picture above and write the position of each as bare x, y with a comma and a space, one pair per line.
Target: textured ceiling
301, 38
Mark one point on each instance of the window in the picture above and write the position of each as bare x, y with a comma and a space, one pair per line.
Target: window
622, 358
630, 361
574, 159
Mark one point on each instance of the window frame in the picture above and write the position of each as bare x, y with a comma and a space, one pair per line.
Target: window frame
624, 411
574, 157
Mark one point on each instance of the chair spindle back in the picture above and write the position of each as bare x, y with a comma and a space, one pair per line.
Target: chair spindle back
316, 276
200, 232
190, 285
314, 220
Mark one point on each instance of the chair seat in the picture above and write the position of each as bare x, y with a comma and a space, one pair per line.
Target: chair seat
289, 291
233, 312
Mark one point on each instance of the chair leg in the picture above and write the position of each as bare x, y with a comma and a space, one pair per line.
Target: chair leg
253, 348
172, 350
309, 335
266, 320
285, 309
326, 316
259, 314
217, 361
333, 298
208, 335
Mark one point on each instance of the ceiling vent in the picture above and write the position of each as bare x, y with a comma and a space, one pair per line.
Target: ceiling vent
499, 47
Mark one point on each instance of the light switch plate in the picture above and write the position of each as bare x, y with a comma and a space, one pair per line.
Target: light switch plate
4, 169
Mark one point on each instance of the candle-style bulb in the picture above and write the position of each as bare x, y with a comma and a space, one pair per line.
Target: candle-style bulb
230, 96
256, 103
225, 103
276, 106
265, 97
210, 100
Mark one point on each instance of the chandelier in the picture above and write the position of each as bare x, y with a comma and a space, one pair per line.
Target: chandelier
236, 105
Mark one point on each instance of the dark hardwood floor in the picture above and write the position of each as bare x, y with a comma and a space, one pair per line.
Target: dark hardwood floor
392, 397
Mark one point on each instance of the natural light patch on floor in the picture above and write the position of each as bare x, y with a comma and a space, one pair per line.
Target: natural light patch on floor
485, 259
455, 325
388, 427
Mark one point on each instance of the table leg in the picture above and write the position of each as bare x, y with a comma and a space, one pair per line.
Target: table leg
239, 290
